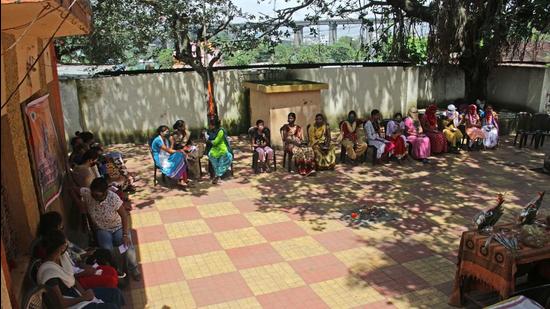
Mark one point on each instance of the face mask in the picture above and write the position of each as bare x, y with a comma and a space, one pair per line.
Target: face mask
166, 134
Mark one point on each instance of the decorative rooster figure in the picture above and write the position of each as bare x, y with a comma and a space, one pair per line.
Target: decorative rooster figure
489, 217
529, 212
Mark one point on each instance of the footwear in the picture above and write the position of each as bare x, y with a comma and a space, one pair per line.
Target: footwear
216, 180
136, 275
425, 161
121, 275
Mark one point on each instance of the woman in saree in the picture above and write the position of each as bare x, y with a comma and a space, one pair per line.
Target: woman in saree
349, 129
490, 126
218, 150
182, 140
171, 162
420, 143
319, 141
429, 125
451, 124
293, 140
395, 134
473, 126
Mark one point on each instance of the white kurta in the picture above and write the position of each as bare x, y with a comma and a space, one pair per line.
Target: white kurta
374, 139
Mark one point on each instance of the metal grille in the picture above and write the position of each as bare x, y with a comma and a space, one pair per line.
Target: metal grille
8, 236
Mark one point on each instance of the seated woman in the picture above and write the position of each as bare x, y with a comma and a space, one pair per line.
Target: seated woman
421, 147
383, 147
84, 173
293, 141
171, 162
473, 126
218, 150
490, 126
355, 146
261, 143
451, 130
319, 141
78, 148
57, 273
182, 140
429, 125
87, 275
395, 134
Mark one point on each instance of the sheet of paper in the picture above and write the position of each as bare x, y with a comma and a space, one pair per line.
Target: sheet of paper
122, 248
98, 272
95, 266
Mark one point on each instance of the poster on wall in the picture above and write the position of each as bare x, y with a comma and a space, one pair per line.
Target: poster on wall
45, 149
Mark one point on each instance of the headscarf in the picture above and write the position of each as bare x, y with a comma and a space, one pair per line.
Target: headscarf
451, 111
413, 113
430, 115
472, 109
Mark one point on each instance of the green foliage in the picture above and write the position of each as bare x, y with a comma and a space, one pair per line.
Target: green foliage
121, 29
165, 58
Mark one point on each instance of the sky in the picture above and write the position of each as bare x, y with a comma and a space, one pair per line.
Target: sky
266, 7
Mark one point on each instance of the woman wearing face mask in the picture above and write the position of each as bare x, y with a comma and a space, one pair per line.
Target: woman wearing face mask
490, 126
319, 141
429, 125
84, 173
218, 150
473, 126
349, 135
421, 147
193, 153
451, 123
171, 162
395, 133
293, 139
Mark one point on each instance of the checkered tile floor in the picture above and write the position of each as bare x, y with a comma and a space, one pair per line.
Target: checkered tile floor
275, 241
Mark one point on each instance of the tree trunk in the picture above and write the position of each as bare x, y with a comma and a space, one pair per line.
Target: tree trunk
207, 76
475, 81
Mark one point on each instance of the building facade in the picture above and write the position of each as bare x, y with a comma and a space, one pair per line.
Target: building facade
28, 72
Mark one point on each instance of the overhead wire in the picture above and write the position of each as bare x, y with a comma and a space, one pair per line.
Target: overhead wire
39, 17
24, 32
39, 55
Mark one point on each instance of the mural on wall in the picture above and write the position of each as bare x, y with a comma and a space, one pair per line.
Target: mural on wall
46, 149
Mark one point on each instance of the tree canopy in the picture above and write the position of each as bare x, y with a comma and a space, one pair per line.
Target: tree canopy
474, 35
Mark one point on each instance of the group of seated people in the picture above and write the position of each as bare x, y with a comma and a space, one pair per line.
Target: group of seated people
420, 137
176, 155
76, 278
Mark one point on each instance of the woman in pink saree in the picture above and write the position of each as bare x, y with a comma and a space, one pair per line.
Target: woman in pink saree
420, 143
473, 126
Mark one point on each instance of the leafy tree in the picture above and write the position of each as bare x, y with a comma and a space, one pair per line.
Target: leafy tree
205, 31
284, 54
165, 58
121, 30
472, 34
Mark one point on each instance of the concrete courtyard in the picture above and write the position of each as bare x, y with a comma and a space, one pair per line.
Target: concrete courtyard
276, 240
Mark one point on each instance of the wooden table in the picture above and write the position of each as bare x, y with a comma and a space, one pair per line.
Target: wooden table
494, 266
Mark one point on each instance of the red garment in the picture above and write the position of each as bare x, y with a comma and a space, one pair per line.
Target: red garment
430, 115
107, 279
349, 134
398, 146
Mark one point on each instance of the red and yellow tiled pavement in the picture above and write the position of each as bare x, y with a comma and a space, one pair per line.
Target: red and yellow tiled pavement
276, 241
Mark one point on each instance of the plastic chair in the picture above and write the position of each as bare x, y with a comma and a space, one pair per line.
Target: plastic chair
35, 298
523, 127
540, 124
32, 271
155, 167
